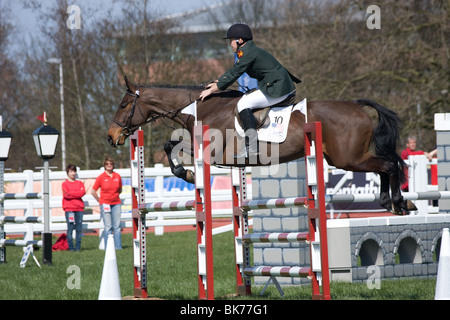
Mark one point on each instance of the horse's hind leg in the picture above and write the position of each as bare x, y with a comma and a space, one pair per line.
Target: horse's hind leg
386, 171
398, 203
389, 172
385, 199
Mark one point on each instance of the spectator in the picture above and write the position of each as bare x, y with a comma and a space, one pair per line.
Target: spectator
110, 183
73, 205
411, 145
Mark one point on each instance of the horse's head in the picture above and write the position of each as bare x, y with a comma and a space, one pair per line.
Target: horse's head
129, 116
141, 105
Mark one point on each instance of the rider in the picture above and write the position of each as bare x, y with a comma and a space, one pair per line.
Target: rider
275, 82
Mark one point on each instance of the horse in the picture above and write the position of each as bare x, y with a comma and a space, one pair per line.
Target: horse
351, 141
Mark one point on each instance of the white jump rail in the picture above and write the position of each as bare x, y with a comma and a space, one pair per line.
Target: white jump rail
428, 195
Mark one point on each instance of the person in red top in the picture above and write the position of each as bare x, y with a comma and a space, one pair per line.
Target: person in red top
411, 151
110, 184
73, 205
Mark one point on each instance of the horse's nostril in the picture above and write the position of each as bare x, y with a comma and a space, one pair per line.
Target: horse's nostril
110, 141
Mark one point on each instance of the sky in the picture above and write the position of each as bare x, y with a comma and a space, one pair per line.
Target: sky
26, 21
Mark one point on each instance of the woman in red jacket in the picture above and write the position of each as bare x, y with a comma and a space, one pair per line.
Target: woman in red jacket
110, 184
73, 205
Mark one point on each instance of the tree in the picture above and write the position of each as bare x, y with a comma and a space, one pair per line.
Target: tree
12, 101
403, 65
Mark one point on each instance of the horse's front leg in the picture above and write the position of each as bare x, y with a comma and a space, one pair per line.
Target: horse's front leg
172, 149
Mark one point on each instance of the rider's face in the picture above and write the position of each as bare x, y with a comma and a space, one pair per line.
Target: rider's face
234, 45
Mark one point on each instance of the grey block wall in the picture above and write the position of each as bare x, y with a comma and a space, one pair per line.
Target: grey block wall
442, 127
398, 246
280, 181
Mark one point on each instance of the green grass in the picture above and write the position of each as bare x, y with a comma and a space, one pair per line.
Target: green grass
172, 267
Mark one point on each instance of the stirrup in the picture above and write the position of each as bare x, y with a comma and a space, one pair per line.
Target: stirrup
245, 153
242, 154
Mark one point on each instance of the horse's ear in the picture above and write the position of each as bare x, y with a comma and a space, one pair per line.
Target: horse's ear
129, 84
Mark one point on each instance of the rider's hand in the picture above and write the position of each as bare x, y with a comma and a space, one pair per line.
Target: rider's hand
210, 88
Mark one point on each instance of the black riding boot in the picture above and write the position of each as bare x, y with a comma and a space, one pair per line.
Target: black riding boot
251, 136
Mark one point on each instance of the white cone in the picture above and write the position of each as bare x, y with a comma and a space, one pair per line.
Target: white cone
110, 287
443, 277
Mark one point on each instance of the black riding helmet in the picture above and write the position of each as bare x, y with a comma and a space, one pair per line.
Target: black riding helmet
239, 30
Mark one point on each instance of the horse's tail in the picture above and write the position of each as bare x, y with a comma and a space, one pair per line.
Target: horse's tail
386, 134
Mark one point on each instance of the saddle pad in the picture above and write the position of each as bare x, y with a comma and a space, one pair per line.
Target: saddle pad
276, 130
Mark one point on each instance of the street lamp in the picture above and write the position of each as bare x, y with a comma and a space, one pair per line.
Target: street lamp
5, 144
45, 141
61, 93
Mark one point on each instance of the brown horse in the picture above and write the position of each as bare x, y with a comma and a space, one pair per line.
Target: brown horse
348, 133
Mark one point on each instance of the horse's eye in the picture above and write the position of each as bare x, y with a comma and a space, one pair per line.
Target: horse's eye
123, 106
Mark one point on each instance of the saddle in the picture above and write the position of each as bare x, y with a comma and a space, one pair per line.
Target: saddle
261, 114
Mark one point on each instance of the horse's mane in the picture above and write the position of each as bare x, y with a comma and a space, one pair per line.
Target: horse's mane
171, 86
230, 94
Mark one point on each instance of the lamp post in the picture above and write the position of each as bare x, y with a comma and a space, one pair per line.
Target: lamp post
5, 144
61, 93
45, 141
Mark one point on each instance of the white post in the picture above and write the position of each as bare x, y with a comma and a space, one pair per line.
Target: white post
63, 130
28, 188
159, 188
418, 180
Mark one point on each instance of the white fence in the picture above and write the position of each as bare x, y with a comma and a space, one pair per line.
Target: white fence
418, 182
165, 186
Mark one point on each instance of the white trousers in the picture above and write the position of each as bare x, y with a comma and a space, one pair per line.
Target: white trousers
257, 99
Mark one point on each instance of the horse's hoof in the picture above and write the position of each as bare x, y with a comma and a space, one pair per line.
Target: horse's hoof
190, 176
397, 211
410, 205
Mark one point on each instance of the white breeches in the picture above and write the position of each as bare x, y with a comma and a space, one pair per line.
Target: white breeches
257, 99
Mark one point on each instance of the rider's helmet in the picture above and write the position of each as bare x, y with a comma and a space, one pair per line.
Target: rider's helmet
239, 30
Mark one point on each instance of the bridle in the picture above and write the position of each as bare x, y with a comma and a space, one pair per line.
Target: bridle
128, 130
